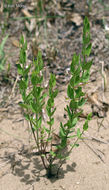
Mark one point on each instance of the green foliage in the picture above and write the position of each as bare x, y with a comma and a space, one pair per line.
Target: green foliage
2, 53
33, 102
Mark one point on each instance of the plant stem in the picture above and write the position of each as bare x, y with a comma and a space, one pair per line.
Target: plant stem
62, 162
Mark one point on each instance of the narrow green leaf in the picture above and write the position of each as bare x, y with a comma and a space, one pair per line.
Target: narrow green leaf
39, 122
55, 93
62, 131
86, 25
78, 133
77, 114
86, 66
82, 102
89, 117
46, 129
22, 56
29, 97
22, 39
63, 142
86, 39
19, 69
73, 104
34, 107
51, 122
22, 85
3, 43
69, 112
44, 96
62, 157
88, 49
53, 154
72, 81
39, 60
49, 139
79, 92
77, 79
50, 102
85, 126
53, 112
74, 122
85, 76
34, 78
72, 136
24, 105
52, 81
48, 109
43, 155
27, 117
75, 61
70, 92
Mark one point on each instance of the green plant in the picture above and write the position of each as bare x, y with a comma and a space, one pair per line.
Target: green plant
53, 155
2, 53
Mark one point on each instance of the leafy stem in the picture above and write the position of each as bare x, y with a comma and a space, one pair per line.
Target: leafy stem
33, 103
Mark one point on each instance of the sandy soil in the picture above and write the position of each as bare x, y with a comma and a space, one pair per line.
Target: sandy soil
88, 165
